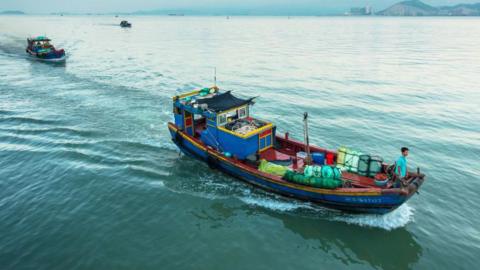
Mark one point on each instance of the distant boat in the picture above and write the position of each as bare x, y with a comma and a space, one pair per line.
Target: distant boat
125, 24
40, 48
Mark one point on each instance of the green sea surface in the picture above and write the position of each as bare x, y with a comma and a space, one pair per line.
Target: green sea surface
89, 178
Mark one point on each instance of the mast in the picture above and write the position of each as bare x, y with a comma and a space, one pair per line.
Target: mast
308, 159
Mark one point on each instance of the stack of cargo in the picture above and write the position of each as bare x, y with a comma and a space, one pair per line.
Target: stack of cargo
319, 182
357, 162
328, 177
325, 171
316, 176
369, 165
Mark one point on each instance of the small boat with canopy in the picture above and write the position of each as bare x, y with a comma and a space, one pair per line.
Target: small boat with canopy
125, 24
40, 48
218, 128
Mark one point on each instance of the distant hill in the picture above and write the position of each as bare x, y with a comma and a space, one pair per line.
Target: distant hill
418, 8
12, 12
460, 10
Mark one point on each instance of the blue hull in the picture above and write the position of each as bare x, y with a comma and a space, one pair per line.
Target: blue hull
49, 57
355, 202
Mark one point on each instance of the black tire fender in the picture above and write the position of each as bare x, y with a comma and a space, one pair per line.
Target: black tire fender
178, 138
212, 162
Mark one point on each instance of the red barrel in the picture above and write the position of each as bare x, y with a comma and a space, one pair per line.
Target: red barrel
329, 157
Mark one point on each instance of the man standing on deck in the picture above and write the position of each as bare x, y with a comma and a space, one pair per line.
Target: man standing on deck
401, 168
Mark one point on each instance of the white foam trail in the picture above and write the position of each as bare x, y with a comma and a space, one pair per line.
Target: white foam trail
274, 204
167, 113
169, 146
157, 183
396, 219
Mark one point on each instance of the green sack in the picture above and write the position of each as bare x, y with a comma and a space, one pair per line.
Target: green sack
289, 175
326, 183
204, 91
337, 173
331, 172
295, 177
318, 182
327, 172
300, 178
308, 171
272, 168
313, 171
317, 171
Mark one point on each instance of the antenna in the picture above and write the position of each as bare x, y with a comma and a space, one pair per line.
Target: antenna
215, 76
308, 159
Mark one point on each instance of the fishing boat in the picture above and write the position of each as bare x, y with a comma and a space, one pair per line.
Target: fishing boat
39, 48
217, 128
125, 24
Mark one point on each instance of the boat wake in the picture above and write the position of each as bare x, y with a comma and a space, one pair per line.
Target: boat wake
396, 219
218, 187
11, 45
275, 204
157, 184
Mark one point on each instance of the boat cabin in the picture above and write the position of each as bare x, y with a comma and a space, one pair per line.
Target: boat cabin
39, 43
223, 121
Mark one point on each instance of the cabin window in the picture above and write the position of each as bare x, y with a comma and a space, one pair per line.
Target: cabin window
222, 119
268, 140
242, 112
262, 143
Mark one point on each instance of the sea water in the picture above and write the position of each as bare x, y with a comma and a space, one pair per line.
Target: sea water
89, 178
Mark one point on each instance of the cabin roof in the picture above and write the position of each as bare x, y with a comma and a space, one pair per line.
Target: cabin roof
223, 102
39, 38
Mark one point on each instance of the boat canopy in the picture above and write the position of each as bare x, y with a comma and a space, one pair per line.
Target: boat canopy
39, 38
223, 102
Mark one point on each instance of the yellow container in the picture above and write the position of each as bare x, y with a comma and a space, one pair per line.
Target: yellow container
341, 152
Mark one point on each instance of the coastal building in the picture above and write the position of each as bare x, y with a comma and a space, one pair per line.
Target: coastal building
360, 11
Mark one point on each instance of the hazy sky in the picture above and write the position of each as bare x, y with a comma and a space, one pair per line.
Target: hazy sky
273, 6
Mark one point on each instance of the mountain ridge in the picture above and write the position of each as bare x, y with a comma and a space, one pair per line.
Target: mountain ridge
12, 12
419, 8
